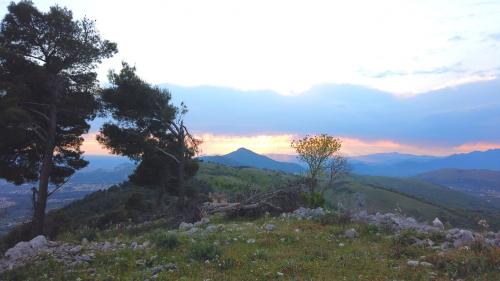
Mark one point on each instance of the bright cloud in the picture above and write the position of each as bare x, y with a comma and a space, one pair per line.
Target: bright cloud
280, 144
289, 46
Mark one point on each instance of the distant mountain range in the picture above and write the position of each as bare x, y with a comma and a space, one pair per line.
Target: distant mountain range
403, 165
247, 158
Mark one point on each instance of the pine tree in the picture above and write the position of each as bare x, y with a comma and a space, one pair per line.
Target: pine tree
47, 94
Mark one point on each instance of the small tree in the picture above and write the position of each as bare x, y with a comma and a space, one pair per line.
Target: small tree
149, 129
315, 152
337, 168
47, 85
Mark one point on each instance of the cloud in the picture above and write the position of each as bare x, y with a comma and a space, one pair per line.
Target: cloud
494, 36
456, 38
455, 69
478, 146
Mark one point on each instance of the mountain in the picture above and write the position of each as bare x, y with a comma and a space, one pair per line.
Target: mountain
403, 165
113, 175
247, 158
390, 158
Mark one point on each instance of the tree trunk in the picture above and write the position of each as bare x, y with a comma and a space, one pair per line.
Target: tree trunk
180, 172
54, 86
45, 171
182, 191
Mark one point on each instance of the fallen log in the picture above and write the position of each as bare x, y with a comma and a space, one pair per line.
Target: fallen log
276, 201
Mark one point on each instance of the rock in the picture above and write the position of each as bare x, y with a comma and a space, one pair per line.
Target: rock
75, 250
445, 245
351, 233
170, 266
39, 242
185, 226
426, 264
20, 250
437, 223
133, 245
497, 235
270, 227
250, 241
465, 238
85, 241
191, 231
157, 269
106, 246
412, 263
202, 222
85, 258
211, 228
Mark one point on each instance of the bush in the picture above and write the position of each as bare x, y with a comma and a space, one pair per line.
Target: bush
204, 251
402, 245
315, 200
135, 202
165, 240
111, 217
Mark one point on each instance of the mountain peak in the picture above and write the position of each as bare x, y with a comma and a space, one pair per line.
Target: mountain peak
245, 157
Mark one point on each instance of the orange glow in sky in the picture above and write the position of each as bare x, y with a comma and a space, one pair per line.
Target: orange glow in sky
280, 144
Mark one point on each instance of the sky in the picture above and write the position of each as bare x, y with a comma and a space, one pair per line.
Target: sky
287, 48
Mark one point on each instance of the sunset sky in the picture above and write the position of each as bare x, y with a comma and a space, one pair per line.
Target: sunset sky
281, 53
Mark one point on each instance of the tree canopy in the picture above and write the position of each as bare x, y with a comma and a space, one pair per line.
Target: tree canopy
147, 128
315, 151
48, 85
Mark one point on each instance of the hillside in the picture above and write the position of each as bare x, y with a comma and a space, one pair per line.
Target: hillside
437, 194
290, 247
484, 184
358, 195
247, 158
467, 180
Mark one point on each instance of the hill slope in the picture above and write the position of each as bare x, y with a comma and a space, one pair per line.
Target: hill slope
480, 183
247, 158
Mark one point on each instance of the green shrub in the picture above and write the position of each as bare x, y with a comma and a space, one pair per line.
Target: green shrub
135, 202
402, 245
86, 232
165, 240
315, 199
204, 251
111, 217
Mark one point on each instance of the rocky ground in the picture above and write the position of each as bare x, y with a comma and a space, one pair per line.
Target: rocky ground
83, 253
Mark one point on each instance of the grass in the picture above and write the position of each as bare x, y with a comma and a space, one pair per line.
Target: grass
296, 250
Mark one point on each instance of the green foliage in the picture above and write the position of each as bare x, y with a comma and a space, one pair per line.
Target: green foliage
204, 251
136, 202
165, 240
402, 245
315, 152
149, 129
49, 83
315, 199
